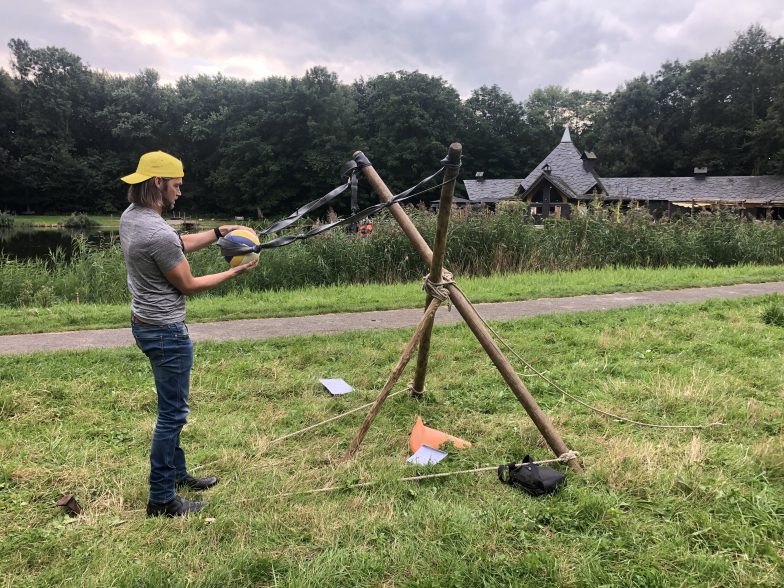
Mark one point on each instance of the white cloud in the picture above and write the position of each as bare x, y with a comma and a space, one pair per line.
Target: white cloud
519, 45
603, 76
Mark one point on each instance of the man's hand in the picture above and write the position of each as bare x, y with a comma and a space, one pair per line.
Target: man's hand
245, 267
181, 277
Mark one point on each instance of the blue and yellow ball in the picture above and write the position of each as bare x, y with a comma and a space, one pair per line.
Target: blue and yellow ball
242, 237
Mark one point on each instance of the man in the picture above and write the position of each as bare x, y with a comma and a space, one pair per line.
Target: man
159, 279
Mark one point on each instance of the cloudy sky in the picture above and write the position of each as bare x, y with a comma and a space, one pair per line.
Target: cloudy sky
518, 44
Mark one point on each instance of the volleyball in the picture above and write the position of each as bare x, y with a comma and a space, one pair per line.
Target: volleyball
242, 237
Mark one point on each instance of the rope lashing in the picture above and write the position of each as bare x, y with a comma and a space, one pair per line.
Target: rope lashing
413, 391
438, 290
570, 454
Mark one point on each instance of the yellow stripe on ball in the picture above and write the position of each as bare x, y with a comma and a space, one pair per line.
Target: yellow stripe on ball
240, 259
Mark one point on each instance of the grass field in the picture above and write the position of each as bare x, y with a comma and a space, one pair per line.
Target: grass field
103, 221
353, 298
106, 222
656, 507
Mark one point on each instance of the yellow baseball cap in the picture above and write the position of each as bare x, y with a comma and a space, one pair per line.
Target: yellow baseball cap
155, 164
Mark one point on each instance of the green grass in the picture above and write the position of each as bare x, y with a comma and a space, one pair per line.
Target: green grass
105, 222
497, 288
655, 507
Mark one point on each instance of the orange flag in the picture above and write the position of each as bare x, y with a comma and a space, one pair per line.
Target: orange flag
422, 435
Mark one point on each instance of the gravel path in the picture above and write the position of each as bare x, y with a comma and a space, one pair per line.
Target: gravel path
386, 319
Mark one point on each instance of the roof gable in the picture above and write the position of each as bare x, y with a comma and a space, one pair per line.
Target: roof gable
557, 182
567, 163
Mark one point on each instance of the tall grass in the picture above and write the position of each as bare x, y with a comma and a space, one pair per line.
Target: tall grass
6, 220
479, 244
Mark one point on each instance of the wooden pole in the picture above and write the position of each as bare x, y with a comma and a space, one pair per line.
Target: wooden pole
474, 322
408, 351
437, 265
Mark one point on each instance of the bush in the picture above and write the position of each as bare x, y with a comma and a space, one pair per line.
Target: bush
6, 220
78, 220
773, 315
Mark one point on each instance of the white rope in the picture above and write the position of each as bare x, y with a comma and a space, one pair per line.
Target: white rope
329, 420
565, 457
577, 400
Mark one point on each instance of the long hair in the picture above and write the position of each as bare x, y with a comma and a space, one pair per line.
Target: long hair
145, 194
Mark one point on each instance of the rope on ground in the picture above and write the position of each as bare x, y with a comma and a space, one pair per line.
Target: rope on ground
577, 400
329, 420
563, 458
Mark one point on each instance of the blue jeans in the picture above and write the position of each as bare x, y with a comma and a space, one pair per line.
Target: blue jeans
170, 351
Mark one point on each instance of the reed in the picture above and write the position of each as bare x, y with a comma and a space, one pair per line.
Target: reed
480, 244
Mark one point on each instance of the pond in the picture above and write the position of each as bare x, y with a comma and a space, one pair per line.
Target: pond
25, 243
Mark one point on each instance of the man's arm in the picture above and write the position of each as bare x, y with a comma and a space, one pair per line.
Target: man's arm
196, 241
180, 277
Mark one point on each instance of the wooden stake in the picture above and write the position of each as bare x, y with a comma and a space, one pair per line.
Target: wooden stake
437, 264
408, 351
474, 322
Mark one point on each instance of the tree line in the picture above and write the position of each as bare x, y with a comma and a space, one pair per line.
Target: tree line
68, 132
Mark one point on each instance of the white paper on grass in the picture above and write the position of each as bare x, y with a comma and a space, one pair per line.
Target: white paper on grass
336, 386
427, 455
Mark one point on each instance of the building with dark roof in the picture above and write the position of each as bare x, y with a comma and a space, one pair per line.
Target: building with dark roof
567, 177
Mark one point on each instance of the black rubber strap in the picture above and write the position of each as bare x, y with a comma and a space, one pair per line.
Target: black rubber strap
303, 210
217, 232
446, 163
362, 160
348, 169
230, 248
367, 212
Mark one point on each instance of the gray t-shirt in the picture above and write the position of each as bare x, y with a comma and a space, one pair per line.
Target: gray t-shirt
151, 247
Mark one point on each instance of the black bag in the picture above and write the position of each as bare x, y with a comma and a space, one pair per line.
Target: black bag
531, 478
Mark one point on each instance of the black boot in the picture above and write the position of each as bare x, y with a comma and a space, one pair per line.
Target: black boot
197, 483
176, 507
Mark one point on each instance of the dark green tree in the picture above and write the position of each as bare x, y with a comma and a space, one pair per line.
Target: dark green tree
9, 173
549, 109
288, 146
206, 108
629, 141
712, 112
406, 121
53, 115
496, 134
